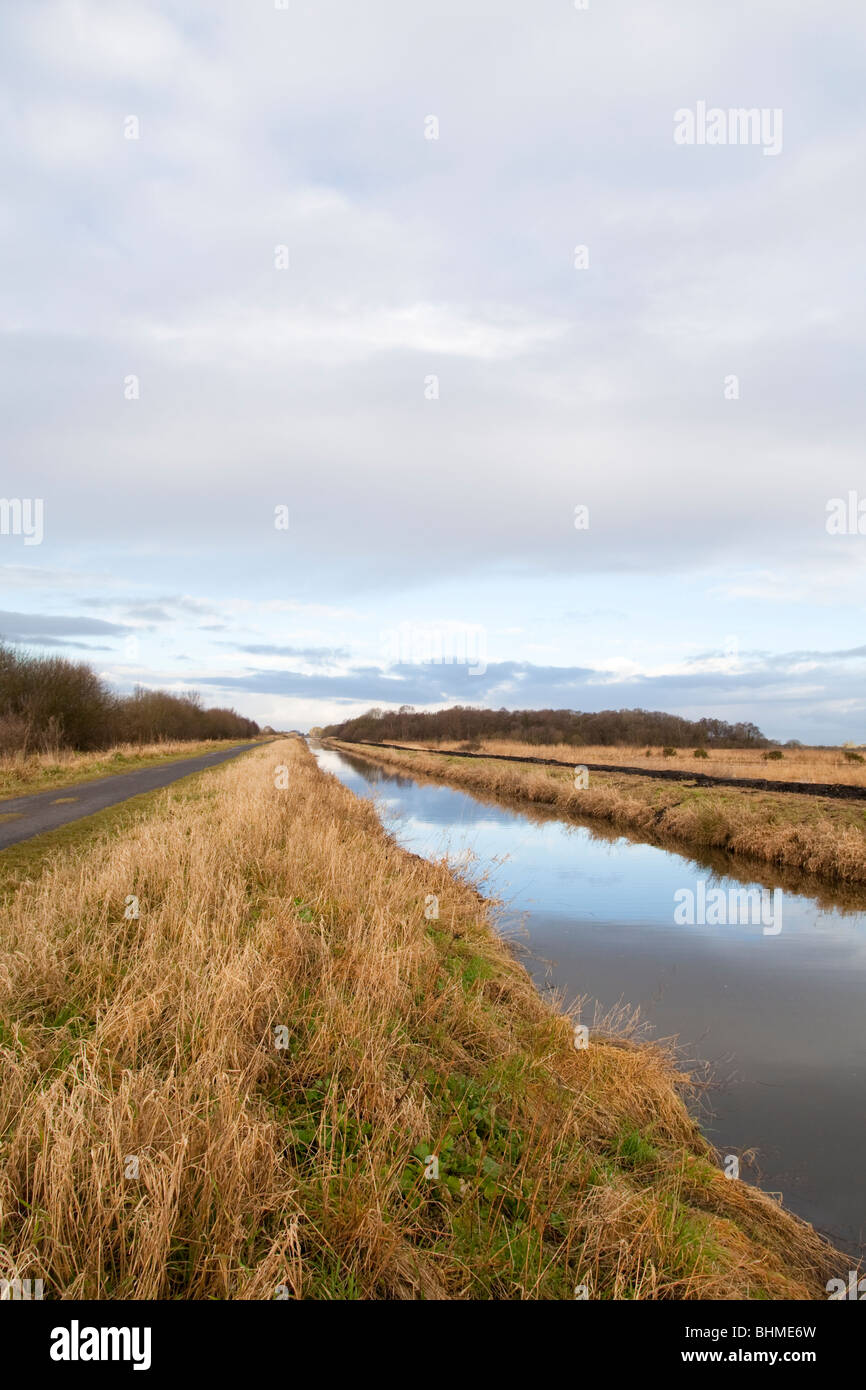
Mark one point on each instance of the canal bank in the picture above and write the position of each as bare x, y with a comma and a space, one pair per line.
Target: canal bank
775, 1014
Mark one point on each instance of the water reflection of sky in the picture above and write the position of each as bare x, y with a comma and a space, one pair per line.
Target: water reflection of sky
780, 1016
568, 871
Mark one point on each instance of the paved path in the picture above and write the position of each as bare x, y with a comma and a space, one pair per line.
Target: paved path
42, 811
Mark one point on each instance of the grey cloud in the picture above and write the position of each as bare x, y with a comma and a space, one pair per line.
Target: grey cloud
56, 625
150, 613
318, 654
154, 609
28, 640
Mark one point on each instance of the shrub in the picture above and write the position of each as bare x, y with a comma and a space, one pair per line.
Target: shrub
14, 733
774, 755
669, 752
851, 757
58, 703
48, 703
701, 753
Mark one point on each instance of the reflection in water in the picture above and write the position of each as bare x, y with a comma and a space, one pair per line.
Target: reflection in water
780, 1017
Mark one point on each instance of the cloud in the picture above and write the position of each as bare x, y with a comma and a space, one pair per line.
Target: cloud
410, 257
154, 609
29, 640
345, 333
317, 654
15, 625
150, 613
36, 577
538, 686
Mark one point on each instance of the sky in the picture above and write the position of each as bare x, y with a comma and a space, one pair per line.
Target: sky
415, 353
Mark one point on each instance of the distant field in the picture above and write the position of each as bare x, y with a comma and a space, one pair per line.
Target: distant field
21, 774
795, 765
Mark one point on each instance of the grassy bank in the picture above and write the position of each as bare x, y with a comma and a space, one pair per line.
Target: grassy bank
156, 1142
37, 772
813, 834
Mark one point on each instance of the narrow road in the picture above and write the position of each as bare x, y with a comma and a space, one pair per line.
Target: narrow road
41, 811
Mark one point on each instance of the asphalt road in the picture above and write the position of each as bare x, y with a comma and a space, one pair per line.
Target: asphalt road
41, 811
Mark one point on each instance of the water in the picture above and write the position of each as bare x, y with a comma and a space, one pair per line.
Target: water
780, 1018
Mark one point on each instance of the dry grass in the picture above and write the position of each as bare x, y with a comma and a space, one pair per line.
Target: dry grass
827, 765
21, 773
153, 1039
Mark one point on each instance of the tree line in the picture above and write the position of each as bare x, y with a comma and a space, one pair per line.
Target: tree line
539, 726
49, 702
